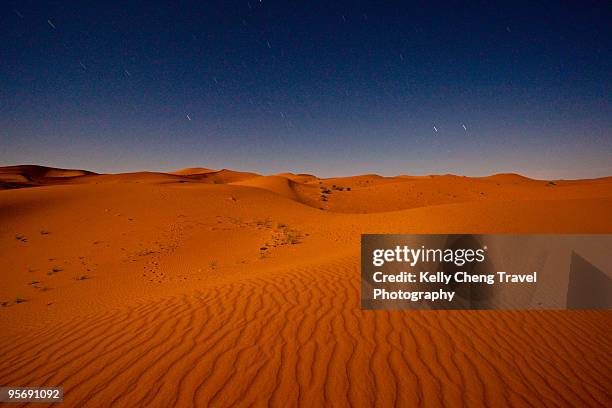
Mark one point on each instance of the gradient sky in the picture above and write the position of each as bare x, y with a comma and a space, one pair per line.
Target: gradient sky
349, 88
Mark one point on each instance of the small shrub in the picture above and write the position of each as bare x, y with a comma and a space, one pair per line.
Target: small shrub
287, 236
292, 238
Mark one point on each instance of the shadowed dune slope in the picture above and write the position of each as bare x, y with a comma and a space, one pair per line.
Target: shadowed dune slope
32, 175
142, 177
228, 176
277, 184
508, 178
40, 172
302, 193
192, 171
157, 290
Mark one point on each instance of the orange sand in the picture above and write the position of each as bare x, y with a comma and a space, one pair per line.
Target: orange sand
226, 288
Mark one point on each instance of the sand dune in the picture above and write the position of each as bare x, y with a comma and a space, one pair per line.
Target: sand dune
31, 175
277, 184
192, 171
508, 178
227, 288
33, 172
299, 178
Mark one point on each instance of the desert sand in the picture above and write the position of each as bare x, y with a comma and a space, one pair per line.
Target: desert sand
222, 288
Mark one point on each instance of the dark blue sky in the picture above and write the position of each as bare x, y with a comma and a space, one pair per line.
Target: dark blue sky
353, 87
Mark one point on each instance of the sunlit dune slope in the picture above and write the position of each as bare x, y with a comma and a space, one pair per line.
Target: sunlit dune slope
299, 178
286, 187
233, 289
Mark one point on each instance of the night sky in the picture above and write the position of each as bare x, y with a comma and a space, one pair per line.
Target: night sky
343, 89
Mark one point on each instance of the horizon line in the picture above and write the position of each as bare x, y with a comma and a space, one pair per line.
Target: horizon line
214, 170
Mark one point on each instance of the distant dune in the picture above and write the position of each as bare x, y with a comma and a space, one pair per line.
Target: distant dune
30, 175
222, 288
192, 171
41, 172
